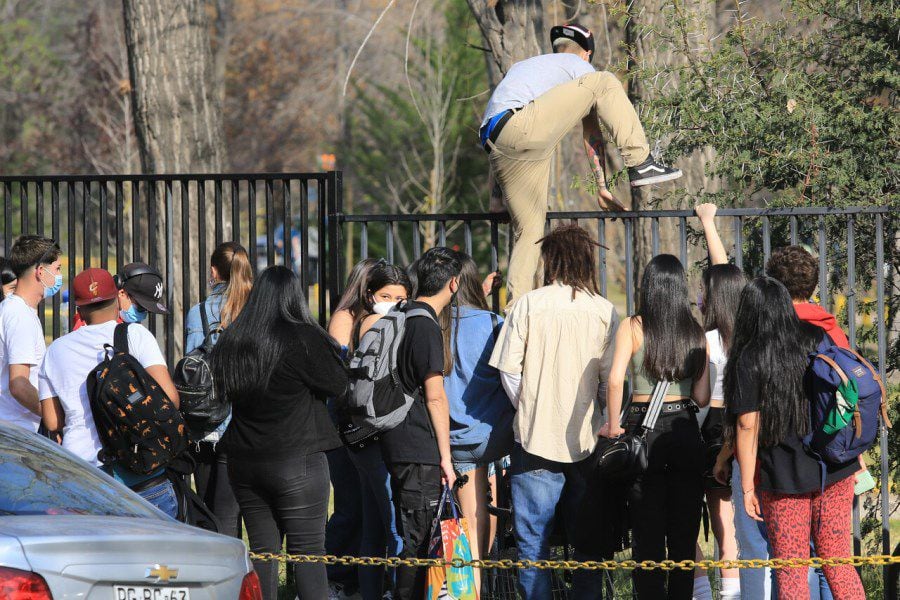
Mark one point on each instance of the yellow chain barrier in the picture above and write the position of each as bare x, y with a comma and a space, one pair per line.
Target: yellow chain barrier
605, 565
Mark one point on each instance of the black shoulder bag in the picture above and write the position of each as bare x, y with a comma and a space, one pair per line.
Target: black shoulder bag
625, 457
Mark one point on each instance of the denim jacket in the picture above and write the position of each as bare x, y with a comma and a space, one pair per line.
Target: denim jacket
194, 328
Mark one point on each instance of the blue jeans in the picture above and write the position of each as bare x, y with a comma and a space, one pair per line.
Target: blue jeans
163, 497
540, 489
753, 543
379, 525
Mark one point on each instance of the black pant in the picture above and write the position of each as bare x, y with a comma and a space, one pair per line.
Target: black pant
290, 497
212, 485
664, 504
416, 490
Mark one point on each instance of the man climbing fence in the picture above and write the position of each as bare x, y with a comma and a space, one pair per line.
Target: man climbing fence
538, 102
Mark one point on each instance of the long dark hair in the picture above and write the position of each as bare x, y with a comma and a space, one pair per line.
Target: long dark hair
469, 293
355, 291
249, 350
674, 345
722, 286
773, 345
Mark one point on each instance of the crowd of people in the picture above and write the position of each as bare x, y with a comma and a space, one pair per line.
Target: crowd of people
526, 397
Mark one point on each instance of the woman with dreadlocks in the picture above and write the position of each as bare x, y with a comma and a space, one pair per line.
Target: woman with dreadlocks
663, 341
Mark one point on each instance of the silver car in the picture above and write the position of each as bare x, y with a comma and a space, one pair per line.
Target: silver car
67, 530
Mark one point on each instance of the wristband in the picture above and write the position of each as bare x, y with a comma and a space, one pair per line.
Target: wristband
750, 490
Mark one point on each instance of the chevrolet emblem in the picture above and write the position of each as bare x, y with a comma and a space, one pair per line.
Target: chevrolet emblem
162, 573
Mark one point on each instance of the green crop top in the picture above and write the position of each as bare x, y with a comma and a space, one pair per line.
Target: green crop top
642, 386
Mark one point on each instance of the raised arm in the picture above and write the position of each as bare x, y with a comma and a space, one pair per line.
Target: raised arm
707, 214
594, 147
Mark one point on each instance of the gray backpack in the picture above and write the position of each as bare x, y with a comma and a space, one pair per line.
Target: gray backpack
376, 401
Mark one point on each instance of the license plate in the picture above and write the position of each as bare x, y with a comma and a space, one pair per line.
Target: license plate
146, 592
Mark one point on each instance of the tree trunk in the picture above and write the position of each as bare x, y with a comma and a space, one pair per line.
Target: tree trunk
177, 118
513, 31
645, 49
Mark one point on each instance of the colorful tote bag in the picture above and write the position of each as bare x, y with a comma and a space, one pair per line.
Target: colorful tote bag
449, 541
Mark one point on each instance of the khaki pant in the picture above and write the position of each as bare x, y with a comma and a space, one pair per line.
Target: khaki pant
521, 158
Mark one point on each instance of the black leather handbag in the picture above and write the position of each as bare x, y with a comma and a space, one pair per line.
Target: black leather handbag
625, 457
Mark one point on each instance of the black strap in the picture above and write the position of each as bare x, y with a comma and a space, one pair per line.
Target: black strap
204, 320
494, 323
120, 338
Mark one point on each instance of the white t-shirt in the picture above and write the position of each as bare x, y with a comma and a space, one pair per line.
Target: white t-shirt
64, 374
533, 77
717, 360
21, 343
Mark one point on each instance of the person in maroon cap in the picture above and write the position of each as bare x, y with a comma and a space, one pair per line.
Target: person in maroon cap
62, 387
141, 291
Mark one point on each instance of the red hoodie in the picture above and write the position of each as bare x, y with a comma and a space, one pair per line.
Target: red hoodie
816, 315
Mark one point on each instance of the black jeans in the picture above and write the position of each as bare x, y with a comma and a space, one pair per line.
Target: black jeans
212, 485
664, 504
290, 497
416, 491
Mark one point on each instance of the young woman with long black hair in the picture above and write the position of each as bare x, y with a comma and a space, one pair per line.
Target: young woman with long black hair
481, 415
276, 367
663, 341
768, 409
383, 286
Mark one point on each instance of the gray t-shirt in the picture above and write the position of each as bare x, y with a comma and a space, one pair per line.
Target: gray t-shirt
532, 77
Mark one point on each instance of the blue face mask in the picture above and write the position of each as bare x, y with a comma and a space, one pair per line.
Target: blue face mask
133, 314
54, 289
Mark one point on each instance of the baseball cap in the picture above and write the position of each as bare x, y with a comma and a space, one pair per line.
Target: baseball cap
145, 286
92, 286
579, 34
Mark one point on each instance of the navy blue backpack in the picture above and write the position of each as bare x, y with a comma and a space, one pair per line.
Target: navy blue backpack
830, 365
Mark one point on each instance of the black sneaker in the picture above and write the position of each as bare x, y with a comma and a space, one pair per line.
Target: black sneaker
650, 172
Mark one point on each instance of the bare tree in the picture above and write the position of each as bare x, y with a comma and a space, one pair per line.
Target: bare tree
512, 29
177, 108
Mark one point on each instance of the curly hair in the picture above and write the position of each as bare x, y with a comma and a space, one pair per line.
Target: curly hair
568, 253
796, 269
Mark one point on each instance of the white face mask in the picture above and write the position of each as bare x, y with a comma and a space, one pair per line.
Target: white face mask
383, 308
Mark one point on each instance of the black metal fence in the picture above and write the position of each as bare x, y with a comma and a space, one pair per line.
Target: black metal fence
174, 221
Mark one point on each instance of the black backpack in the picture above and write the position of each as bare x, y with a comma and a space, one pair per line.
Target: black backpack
138, 425
193, 379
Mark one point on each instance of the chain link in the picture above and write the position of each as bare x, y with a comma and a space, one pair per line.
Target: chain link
605, 565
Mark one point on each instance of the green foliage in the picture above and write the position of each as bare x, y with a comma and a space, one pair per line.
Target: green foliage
803, 109
415, 147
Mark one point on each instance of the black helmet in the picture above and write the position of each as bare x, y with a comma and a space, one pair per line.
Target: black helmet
579, 34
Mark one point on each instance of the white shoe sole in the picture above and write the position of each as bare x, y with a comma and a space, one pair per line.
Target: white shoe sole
657, 179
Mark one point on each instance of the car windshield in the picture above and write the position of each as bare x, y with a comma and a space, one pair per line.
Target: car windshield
37, 477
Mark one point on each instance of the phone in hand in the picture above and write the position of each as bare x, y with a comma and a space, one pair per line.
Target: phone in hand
864, 483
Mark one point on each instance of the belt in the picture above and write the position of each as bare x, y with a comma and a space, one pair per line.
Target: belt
667, 407
491, 130
146, 485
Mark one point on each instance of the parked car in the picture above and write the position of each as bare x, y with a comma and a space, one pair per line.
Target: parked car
67, 530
